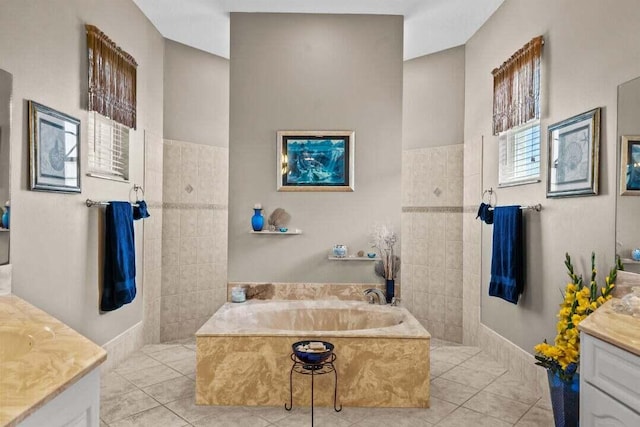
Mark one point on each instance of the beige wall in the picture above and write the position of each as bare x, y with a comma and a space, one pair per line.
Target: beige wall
587, 54
196, 96
433, 100
55, 247
310, 72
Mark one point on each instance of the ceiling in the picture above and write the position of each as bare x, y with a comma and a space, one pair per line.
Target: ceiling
429, 25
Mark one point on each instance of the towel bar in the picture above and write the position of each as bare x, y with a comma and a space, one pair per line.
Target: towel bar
536, 208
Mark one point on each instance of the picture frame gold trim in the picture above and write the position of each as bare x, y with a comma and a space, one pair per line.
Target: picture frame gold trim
283, 167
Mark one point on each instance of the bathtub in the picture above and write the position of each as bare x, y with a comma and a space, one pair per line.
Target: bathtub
243, 354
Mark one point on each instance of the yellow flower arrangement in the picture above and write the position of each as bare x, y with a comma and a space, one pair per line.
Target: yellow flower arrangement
580, 300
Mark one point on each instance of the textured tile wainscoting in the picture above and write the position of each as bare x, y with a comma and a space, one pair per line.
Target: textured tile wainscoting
194, 236
432, 238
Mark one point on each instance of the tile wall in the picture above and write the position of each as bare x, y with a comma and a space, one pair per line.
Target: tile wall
194, 236
471, 240
432, 238
152, 273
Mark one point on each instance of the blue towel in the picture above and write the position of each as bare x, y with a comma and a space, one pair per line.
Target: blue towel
119, 257
485, 213
507, 281
140, 211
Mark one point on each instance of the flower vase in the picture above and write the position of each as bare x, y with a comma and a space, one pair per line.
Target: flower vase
390, 289
6, 217
257, 220
565, 399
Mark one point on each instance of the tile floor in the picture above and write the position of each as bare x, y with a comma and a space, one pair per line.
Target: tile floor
155, 387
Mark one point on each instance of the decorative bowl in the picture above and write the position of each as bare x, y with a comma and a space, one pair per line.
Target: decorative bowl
371, 254
312, 358
283, 229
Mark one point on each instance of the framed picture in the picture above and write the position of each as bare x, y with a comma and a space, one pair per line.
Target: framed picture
315, 160
54, 143
573, 156
630, 165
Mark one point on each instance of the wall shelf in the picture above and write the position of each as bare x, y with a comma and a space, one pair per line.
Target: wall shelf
629, 261
353, 258
272, 233
5, 230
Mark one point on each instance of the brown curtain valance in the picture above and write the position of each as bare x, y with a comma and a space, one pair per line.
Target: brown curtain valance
516, 87
112, 79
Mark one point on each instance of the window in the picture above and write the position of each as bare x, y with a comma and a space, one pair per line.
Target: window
519, 151
108, 148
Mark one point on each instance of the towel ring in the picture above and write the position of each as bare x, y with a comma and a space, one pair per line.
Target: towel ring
136, 190
492, 197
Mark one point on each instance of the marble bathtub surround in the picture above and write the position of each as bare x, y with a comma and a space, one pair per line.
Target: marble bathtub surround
39, 358
304, 291
242, 354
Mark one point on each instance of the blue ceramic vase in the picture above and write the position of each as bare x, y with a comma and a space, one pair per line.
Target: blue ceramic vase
257, 220
6, 217
390, 289
565, 400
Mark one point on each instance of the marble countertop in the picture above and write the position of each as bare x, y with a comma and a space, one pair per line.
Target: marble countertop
39, 358
617, 329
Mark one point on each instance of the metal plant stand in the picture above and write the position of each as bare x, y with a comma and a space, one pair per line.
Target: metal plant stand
313, 369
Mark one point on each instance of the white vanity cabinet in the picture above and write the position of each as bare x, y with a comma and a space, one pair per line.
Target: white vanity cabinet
609, 384
77, 406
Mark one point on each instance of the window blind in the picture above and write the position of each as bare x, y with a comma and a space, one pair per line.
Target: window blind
108, 148
519, 155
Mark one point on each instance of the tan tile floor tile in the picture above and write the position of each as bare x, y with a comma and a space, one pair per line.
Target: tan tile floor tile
155, 417
512, 388
497, 406
536, 417
173, 389
451, 391
113, 384
154, 348
463, 417
320, 419
173, 354
238, 418
186, 366
439, 367
485, 363
149, 376
121, 406
449, 355
392, 419
472, 377
269, 413
135, 362
187, 409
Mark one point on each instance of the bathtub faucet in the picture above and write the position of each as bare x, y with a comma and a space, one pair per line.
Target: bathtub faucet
382, 300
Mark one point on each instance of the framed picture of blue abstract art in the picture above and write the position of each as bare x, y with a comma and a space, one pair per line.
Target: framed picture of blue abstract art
630, 165
315, 160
